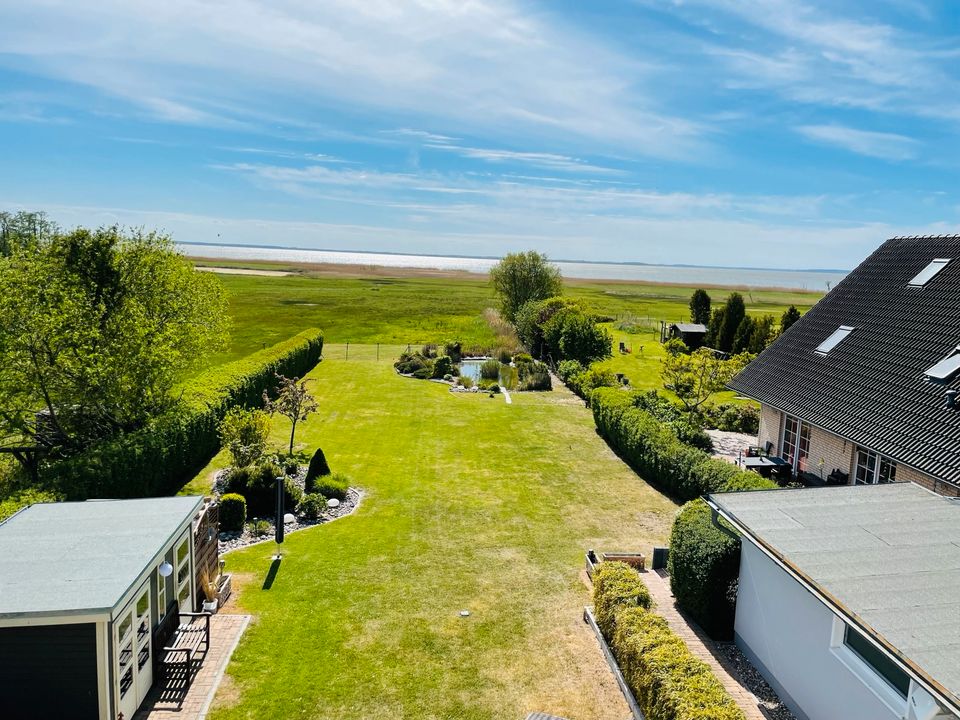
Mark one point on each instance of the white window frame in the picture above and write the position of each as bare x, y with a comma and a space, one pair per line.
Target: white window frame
798, 446
878, 461
865, 672
179, 565
929, 272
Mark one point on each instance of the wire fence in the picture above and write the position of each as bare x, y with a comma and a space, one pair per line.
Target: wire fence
365, 352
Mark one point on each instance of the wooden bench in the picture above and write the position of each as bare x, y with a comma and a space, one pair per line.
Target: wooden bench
185, 641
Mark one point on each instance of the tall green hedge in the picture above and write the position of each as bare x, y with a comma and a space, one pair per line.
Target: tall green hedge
704, 560
668, 681
704, 566
159, 458
652, 449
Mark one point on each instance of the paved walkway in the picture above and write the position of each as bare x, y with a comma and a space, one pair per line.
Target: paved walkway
699, 644
174, 699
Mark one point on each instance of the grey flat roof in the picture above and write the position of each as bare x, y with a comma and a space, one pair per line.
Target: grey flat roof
690, 327
82, 557
889, 555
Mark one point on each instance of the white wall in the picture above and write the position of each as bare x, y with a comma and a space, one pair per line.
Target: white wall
787, 633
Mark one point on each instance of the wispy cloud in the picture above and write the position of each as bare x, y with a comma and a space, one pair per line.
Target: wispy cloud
490, 66
887, 146
548, 161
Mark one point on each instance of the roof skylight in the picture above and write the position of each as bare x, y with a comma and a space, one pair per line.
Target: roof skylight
927, 274
836, 337
946, 368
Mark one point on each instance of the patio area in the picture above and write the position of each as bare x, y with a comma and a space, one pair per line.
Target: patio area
174, 698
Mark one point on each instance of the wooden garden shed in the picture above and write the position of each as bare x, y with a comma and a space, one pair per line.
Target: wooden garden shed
83, 587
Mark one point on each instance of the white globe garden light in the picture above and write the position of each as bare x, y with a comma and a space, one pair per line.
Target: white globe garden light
166, 569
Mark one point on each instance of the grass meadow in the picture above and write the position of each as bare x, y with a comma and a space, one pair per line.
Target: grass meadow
470, 504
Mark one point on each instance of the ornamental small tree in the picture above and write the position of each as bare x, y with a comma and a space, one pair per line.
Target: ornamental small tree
293, 401
697, 376
244, 432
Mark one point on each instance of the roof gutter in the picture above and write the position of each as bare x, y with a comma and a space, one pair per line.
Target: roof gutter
838, 608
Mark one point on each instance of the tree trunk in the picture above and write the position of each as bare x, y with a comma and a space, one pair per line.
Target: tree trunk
293, 430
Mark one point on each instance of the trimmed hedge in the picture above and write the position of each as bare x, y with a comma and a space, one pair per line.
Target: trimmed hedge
233, 512
617, 585
704, 567
704, 561
171, 449
653, 450
668, 682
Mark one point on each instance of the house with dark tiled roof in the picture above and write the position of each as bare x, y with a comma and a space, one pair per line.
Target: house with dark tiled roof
863, 388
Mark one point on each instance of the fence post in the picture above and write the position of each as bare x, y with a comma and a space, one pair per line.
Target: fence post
346, 352
378, 352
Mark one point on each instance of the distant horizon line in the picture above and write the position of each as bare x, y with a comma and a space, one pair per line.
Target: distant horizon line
634, 263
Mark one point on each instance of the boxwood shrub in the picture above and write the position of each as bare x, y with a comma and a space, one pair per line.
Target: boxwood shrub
318, 468
258, 484
704, 567
171, 449
233, 512
668, 682
313, 504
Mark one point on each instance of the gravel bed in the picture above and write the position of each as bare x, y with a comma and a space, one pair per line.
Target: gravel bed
234, 540
754, 682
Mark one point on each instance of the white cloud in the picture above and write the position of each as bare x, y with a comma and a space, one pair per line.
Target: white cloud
487, 66
887, 146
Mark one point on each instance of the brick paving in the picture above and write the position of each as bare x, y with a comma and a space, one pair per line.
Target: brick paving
174, 698
700, 644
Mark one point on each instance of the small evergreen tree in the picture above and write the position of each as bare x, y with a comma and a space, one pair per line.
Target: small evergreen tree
789, 317
734, 311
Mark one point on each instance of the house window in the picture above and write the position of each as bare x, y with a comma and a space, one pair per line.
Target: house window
878, 661
183, 575
796, 443
873, 468
161, 595
835, 338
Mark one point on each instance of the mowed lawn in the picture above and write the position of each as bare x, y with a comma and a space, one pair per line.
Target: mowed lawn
470, 504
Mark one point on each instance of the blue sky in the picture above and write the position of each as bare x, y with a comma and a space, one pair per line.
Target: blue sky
730, 132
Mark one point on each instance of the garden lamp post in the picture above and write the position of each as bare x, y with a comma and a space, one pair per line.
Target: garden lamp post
279, 519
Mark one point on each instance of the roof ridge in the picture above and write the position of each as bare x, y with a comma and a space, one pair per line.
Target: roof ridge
946, 236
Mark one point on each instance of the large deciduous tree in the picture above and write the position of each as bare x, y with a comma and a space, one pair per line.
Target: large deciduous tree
695, 377
96, 327
521, 277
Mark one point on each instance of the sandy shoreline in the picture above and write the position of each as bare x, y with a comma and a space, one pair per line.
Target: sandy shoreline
280, 268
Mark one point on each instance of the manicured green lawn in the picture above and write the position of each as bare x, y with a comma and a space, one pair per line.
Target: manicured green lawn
470, 504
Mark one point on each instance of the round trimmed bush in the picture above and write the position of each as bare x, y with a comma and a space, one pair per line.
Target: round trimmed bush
704, 567
233, 512
332, 486
312, 505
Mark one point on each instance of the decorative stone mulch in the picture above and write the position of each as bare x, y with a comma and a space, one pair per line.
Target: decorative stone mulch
233, 540
754, 682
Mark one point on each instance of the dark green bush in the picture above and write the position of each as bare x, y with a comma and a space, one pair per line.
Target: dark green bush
652, 449
453, 349
233, 512
490, 369
534, 375
332, 486
423, 373
257, 483
704, 567
668, 682
733, 418
312, 505
503, 355
442, 366
409, 363
685, 424
318, 467
583, 381
617, 585
171, 449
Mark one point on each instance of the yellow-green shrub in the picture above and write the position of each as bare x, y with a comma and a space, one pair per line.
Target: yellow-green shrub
668, 682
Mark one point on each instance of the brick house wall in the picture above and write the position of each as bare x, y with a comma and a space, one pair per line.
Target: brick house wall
836, 452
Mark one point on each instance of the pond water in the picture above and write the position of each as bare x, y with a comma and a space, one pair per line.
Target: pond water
471, 369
